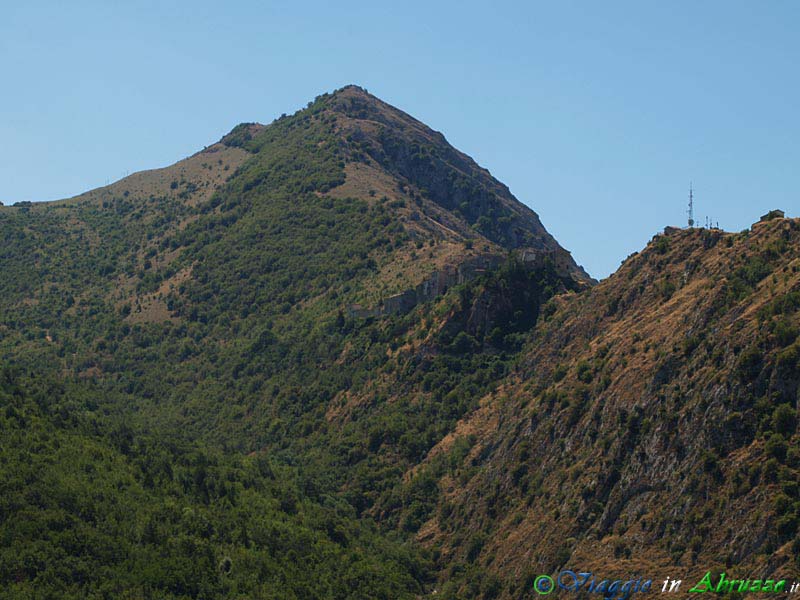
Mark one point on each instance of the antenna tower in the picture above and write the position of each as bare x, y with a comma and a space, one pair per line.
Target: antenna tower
691, 206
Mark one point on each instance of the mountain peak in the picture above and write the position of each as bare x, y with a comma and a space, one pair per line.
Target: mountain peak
351, 88
421, 159
356, 102
311, 336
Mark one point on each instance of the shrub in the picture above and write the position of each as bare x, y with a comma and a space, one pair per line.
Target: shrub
770, 471
661, 244
776, 447
784, 420
787, 527
785, 333
749, 364
666, 288
584, 372
464, 343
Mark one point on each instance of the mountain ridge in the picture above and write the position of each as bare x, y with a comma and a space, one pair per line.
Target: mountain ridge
190, 329
689, 373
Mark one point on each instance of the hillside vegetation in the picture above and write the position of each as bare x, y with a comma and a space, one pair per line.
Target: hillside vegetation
206, 391
650, 427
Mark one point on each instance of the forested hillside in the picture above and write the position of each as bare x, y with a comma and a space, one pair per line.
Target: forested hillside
94, 509
332, 357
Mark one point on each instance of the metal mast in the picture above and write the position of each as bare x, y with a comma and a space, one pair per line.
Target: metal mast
691, 206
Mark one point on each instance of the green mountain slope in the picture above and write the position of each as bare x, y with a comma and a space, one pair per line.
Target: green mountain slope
210, 305
92, 509
333, 357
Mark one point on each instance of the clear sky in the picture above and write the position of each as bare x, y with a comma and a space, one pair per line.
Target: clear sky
595, 114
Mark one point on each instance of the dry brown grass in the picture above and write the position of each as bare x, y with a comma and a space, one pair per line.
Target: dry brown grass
635, 339
207, 170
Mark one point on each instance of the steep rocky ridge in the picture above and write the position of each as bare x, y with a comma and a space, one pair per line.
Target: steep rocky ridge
423, 160
651, 425
506, 420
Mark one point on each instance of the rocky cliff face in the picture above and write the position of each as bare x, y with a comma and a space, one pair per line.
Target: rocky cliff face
653, 422
435, 285
422, 159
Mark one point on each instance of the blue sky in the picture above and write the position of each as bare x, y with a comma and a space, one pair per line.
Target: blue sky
595, 114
